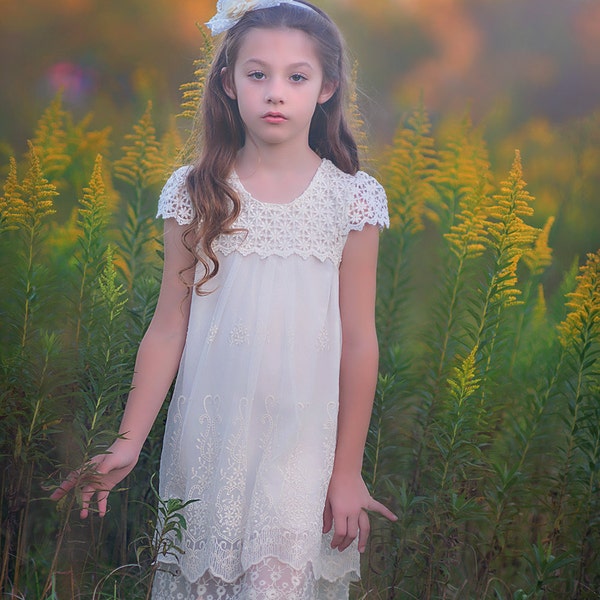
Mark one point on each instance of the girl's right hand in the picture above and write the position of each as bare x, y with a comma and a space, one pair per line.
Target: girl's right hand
100, 476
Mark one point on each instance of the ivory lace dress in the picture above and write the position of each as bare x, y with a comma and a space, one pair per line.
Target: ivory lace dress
251, 428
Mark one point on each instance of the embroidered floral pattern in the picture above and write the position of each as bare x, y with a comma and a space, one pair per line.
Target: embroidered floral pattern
238, 336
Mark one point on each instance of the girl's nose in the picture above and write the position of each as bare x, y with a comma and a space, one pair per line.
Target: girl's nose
273, 99
274, 94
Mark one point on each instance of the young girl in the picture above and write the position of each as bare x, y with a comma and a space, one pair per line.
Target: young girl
271, 329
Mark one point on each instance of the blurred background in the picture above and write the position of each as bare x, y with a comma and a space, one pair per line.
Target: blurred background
526, 71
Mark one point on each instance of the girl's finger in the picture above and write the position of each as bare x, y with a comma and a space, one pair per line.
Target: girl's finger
375, 506
66, 486
102, 503
340, 527
364, 529
351, 533
86, 497
327, 518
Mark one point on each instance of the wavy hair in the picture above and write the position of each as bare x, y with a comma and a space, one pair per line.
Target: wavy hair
221, 129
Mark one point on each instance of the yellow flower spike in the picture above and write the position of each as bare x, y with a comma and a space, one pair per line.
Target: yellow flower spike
463, 174
408, 173
467, 236
193, 90
463, 183
95, 192
582, 324
465, 382
538, 258
10, 201
35, 197
509, 237
50, 140
142, 164
31, 206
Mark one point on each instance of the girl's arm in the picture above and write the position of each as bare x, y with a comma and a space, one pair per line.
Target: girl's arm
157, 362
348, 498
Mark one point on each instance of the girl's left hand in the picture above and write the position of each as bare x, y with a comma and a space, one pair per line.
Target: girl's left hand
346, 506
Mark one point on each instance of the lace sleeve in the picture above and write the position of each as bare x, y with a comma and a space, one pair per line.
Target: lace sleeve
369, 204
174, 201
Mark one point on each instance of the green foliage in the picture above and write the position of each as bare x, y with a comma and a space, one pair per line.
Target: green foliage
70, 327
491, 442
485, 435
136, 579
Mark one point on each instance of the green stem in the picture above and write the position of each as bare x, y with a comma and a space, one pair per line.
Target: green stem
28, 285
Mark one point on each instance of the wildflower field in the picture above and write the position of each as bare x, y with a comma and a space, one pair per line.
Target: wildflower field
485, 437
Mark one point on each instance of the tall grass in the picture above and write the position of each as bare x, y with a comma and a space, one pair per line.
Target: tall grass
485, 435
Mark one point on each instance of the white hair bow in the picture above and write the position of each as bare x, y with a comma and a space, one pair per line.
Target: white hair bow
229, 12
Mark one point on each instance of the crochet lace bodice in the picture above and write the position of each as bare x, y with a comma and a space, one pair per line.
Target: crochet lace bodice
316, 223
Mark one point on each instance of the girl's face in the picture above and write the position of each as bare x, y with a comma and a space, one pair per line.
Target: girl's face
277, 81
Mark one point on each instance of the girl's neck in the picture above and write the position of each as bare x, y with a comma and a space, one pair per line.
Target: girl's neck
251, 160
276, 177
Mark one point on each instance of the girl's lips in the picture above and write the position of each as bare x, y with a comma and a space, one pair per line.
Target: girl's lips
273, 117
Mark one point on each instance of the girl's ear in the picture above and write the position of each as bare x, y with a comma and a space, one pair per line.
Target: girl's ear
228, 83
328, 89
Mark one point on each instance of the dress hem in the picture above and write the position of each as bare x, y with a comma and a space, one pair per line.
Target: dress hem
351, 573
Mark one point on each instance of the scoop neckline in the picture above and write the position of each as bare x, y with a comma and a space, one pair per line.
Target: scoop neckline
295, 200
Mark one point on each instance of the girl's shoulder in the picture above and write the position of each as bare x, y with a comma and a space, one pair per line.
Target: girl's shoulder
174, 201
366, 197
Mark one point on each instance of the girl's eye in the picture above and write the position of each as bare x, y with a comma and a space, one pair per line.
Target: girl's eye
258, 75
298, 77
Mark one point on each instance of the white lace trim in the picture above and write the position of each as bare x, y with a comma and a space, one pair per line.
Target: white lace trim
174, 201
269, 579
316, 223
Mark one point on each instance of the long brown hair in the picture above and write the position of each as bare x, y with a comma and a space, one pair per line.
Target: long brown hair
216, 204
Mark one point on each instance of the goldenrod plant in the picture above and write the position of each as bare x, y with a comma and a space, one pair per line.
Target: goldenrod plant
407, 171
485, 422
191, 91
70, 324
141, 166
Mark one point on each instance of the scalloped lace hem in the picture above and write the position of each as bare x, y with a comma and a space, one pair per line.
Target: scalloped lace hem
270, 579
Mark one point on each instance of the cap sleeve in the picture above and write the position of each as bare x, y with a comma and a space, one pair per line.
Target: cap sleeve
369, 203
174, 201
